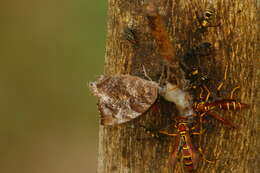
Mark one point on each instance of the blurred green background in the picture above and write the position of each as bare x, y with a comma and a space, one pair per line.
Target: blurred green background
49, 51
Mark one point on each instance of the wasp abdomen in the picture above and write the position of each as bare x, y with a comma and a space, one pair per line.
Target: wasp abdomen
232, 105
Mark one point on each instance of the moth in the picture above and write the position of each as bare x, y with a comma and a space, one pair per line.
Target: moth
122, 98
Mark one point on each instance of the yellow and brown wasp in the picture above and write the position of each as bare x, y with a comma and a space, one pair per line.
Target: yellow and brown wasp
182, 148
207, 19
206, 107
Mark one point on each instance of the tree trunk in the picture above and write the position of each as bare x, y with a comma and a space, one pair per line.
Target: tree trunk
126, 147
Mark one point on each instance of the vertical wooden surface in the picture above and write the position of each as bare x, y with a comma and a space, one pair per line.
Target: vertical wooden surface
258, 85
127, 148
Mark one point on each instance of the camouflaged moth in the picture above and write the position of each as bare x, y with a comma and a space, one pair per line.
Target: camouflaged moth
122, 98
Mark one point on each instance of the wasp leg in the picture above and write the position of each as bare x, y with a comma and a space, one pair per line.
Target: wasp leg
166, 133
201, 93
232, 92
157, 133
199, 133
201, 130
208, 93
225, 78
204, 158
151, 132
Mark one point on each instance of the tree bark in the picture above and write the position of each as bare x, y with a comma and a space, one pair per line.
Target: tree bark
126, 147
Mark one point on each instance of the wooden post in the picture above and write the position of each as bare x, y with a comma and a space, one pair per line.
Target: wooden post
126, 148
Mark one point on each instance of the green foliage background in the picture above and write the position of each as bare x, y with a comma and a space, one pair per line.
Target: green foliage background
49, 52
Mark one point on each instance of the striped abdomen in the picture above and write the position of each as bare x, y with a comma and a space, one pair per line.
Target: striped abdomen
230, 105
224, 104
188, 161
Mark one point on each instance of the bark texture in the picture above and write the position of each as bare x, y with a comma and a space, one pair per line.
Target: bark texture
126, 148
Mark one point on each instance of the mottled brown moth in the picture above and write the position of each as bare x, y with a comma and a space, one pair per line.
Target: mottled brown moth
122, 98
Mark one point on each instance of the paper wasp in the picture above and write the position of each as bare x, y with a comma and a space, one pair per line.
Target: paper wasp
183, 147
190, 63
206, 20
190, 156
207, 108
204, 107
208, 17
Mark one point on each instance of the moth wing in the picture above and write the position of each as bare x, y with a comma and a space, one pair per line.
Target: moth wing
122, 98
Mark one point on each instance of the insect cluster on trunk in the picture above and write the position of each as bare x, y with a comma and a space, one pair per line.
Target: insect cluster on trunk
122, 98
